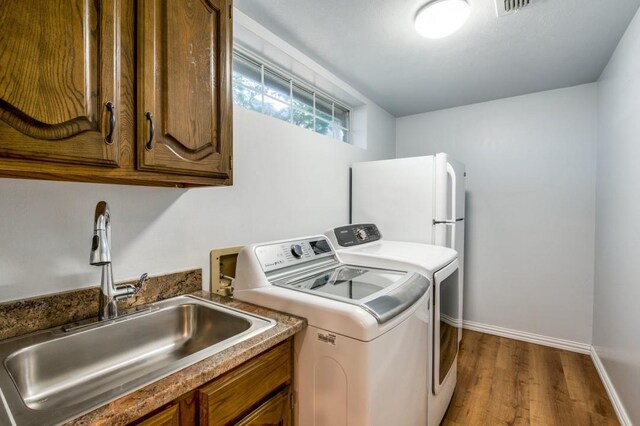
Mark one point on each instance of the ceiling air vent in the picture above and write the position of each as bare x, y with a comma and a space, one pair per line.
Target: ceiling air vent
507, 7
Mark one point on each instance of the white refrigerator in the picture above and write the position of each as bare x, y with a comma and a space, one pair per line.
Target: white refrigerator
418, 199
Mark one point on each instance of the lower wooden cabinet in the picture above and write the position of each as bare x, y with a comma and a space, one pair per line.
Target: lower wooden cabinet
276, 411
256, 393
169, 416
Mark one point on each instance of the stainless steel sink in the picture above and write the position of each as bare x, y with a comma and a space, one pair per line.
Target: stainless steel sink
57, 374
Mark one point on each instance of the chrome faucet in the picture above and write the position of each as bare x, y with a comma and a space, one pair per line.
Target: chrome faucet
110, 293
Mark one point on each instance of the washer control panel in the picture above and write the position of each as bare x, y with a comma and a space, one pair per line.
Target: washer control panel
289, 253
361, 233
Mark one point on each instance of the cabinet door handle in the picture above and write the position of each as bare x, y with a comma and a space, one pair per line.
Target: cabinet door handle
112, 123
149, 144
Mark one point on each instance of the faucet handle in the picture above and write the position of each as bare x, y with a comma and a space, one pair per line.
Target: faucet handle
124, 291
141, 281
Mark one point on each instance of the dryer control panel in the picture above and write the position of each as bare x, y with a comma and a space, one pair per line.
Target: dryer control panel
289, 253
361, 233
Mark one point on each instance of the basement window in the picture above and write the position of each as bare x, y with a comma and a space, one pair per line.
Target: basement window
264, 88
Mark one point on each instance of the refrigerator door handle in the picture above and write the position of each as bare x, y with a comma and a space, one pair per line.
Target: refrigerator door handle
446, 222
447, 238
454, 187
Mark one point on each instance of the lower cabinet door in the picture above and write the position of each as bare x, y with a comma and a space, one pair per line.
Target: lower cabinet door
167, 417
276, 411
227, 398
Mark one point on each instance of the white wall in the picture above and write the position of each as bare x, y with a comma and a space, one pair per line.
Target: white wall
616, 328
530, 205
288, 182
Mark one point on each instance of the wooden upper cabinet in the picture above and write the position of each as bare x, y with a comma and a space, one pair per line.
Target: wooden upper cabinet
84, 82
184, 87
58, 72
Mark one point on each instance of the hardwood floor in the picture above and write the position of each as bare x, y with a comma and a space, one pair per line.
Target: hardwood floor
507, 382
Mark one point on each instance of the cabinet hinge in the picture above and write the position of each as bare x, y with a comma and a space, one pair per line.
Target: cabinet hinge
292, 399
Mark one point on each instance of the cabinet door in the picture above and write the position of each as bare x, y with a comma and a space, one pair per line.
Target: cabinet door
167, 417
184, 87
58, 70
237, 392
275, 412
181, 412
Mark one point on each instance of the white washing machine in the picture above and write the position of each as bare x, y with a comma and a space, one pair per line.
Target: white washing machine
362, 244
359, 361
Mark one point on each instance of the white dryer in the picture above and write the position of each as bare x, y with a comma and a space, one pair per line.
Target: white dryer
365, 327
362, 244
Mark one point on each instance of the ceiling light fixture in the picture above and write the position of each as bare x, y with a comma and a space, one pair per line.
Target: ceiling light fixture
440, 18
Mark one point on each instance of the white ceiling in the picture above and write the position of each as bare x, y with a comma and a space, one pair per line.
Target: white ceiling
372, 45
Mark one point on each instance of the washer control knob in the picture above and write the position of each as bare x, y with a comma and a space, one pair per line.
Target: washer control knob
296, 251
361, 234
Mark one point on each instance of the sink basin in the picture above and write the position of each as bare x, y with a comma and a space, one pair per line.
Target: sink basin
54, 375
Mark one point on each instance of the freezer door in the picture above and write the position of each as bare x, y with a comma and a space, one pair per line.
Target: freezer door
450, 188
444, 181
449, 199
396, 195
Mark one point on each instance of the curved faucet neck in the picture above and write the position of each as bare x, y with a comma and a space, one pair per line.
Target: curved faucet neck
101, 242
102, 219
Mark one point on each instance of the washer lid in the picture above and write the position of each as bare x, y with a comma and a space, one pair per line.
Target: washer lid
425, 258
382, 293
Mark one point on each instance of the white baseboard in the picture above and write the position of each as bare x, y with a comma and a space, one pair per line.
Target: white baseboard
583, 348
623, 417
